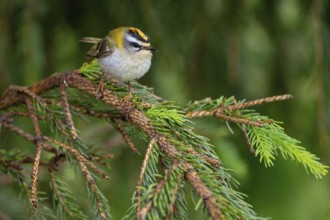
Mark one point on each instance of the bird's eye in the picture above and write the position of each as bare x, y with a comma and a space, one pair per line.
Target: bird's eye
134, 44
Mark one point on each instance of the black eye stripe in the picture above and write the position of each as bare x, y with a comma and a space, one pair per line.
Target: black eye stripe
134, 44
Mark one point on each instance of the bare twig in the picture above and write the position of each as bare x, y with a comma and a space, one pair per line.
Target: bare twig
66, 108
259, 102
39, 144
56, 160
125, 135
27, 136
200, 114
17, 164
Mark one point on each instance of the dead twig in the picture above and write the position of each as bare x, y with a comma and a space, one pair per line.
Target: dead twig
39, 144
66, 108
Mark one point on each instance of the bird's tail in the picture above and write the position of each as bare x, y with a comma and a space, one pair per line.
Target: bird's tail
90, 40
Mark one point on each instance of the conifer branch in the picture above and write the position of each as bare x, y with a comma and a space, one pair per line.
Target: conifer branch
186, 157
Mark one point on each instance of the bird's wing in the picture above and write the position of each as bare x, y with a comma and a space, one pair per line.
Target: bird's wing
90, 40
100, 48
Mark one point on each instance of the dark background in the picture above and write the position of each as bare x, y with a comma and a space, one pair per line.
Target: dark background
249, 49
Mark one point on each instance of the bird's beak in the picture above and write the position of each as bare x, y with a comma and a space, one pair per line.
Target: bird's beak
151, 48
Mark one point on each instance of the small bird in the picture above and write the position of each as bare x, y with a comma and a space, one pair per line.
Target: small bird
124, 54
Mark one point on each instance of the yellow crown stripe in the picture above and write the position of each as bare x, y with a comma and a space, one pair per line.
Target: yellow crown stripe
140, 33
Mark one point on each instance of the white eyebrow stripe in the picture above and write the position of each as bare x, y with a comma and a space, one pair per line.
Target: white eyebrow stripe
133, 39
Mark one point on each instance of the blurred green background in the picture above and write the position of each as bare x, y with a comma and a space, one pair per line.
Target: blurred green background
249, 49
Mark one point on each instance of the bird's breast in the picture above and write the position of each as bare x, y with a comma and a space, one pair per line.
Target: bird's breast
126, 66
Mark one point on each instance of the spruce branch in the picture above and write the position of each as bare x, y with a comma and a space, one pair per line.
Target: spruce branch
264, 136
175, 157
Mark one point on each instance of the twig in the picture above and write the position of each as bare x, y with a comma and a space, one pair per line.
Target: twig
238, 120
59, 195
82, 163
27, 136
17, 164
8, 115
259, 102
78, 156
56, 160
93, 187
211, 161
248, 140
142, 173
221, 109
125, 135
11, 97
39, 144
203, 191
173, 200
200, 114
91, 112
66, 108
141, 214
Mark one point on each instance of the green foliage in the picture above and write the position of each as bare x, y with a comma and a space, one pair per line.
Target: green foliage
64, 201
271, 138
266, 139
